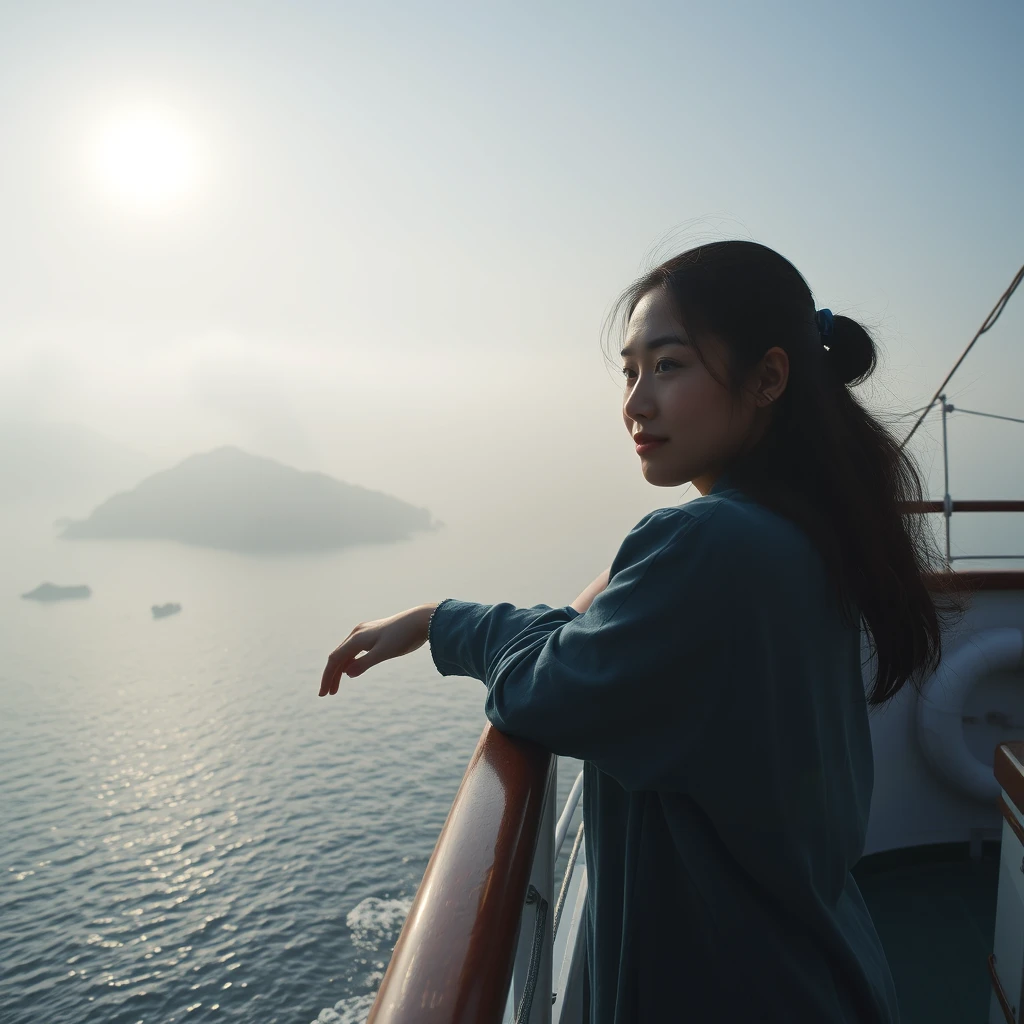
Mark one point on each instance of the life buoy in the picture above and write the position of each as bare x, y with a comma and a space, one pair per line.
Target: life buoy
940, 707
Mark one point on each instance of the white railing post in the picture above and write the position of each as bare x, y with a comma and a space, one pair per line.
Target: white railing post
532, 973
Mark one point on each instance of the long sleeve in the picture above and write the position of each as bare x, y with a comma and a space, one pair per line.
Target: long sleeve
629, 683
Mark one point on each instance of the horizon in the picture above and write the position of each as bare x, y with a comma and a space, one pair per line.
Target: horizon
381, 245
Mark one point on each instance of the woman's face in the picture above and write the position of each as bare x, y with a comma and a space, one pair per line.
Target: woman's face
669, 393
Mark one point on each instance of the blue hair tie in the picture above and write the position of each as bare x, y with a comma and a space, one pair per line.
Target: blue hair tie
825, 320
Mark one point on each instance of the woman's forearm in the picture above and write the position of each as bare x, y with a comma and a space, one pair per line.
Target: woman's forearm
582, 603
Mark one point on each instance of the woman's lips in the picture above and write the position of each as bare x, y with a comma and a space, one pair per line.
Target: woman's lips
643, 447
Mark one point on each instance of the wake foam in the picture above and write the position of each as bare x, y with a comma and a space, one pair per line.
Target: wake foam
353, 1010
375, 924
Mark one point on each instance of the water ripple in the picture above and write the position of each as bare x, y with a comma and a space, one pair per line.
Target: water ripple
189, 833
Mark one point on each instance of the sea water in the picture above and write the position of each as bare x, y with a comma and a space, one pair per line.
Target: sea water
188, 832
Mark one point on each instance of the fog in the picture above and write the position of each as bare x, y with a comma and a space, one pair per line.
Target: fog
381, 242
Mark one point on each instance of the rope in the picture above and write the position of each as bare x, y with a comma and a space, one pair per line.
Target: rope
568, 875
526, 1003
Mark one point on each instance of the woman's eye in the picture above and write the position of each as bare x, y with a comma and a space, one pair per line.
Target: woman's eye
626, 370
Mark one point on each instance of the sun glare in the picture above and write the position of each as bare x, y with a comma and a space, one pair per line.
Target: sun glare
143, 158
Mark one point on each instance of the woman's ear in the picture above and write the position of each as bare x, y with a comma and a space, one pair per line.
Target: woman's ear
773, 373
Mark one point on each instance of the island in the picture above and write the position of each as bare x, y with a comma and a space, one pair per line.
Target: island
161, 611
54, 592
234, 501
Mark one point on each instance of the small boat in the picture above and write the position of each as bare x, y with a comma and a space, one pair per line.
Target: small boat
55, 592
493, 935
161, 611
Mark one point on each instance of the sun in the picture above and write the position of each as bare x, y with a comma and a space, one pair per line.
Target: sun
144, 158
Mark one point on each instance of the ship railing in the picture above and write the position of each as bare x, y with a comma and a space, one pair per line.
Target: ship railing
973, 579
947, 506
488, 939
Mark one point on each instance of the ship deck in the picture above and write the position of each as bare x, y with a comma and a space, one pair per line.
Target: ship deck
934, 908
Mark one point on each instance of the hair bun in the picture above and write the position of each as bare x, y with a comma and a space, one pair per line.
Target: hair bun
851, 353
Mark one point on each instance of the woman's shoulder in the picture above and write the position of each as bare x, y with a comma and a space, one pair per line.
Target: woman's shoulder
731, 521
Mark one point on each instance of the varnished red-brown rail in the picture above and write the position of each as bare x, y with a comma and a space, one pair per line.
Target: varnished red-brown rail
453, 961
998, 505
976, 579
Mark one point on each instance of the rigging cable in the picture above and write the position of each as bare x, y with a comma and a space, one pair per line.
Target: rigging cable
990, 415
989, 322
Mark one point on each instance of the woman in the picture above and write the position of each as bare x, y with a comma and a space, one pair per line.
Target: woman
711, 678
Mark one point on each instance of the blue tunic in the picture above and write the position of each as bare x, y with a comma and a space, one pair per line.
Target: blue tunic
716, 698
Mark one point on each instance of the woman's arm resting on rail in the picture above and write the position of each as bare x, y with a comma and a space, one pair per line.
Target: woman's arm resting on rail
582, 603
627, 685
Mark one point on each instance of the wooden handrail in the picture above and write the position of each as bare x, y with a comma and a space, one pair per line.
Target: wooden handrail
979, 579
1011, 818
964, 506
454, 958
1009, 1014
973, 579
1008, 769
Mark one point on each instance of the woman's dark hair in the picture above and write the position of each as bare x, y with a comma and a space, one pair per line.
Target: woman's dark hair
824, 462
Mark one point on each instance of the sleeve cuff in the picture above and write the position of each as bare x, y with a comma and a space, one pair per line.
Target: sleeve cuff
456, 645
445, 668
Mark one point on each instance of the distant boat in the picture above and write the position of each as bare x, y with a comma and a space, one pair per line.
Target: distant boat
161, 611
53, 592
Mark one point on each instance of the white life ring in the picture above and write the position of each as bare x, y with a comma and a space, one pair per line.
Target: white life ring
940, 707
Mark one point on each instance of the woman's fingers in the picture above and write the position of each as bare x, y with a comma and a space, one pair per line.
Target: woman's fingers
341, 658
359, 665
380, 639
331, 673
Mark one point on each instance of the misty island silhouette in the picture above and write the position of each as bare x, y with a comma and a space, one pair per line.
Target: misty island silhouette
234, 501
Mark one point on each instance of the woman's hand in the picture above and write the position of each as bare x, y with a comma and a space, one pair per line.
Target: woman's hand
381, 639
582, 603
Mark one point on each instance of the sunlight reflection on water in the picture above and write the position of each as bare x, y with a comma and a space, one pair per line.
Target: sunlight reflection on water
189, 831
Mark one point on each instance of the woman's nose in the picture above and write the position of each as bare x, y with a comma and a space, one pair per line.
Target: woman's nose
638, 402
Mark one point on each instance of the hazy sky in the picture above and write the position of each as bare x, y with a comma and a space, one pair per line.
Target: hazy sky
380, 240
